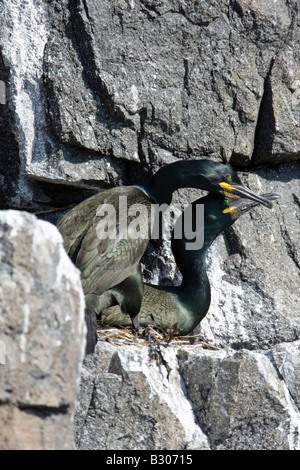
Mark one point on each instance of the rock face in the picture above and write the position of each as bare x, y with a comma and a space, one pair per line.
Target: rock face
42, 334
241, 399
96, 94
169, 397
135, 402
95, 89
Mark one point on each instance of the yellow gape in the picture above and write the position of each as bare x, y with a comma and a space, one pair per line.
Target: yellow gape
226, 186
228, 209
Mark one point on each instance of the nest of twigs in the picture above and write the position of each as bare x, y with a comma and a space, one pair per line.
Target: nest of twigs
147, 336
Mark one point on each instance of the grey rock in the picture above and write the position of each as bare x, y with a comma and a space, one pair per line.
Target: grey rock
42, 333
278, 122
286, 358
104, 90
241, 401
170, 397
179, 92
135, 401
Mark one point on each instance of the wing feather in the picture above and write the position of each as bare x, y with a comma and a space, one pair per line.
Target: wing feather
105, 262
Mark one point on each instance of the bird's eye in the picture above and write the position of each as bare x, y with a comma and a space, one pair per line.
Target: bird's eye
226, 202
229, 179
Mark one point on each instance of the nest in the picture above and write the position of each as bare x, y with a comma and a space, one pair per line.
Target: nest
147, 336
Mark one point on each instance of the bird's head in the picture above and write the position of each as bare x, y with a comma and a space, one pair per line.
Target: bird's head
215, 177
237, 193
201, 228
224, 181
237, 205
220, 213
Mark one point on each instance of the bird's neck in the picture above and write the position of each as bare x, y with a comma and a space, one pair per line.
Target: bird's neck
181, 174
194, 291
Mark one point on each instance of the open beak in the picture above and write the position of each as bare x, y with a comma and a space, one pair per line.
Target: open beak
234, 189
244, 204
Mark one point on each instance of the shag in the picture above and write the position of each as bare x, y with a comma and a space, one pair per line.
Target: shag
110, 267
180, 309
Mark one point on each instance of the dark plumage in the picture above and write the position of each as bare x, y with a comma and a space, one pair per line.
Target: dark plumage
181, 308
110, 267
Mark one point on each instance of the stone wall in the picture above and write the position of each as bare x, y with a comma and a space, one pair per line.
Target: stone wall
99, 94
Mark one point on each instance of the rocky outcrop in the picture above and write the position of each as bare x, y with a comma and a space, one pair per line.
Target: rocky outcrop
42, 334
103, 93
187, 398
100, 93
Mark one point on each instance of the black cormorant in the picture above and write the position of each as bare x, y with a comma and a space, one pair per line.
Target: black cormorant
110, 267
181, 308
